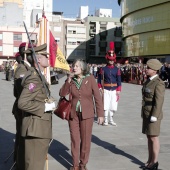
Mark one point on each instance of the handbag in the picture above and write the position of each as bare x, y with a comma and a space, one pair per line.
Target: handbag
63, 108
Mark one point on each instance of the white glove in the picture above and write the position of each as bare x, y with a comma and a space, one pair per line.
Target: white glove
153, 119
49, 106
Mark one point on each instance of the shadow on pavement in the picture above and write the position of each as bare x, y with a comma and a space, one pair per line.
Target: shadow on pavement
6, 149
112, 148
60, 153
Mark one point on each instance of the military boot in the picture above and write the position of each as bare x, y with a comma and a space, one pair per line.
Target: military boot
111, 122
105, 123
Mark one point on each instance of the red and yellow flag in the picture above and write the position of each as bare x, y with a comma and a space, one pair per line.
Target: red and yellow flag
57, 59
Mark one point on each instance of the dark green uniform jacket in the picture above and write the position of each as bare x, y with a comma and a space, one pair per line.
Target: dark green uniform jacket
153, 97
36, 123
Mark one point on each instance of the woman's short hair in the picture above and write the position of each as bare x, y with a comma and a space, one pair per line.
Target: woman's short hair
83, 65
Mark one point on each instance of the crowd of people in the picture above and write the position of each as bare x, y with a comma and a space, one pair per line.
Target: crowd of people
33, 104
135, 72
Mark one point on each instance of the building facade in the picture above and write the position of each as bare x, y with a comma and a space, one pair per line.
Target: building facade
14, 19
100, 31
75, 40
146, 28
56, 27
30, 5
12, 31
10, 39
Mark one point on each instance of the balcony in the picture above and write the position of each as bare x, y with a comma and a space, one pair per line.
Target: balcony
102, 43
92, 53
103, 33
92, 42
102, 54
92, 31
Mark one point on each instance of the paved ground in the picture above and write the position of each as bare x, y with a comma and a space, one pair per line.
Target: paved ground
119, 148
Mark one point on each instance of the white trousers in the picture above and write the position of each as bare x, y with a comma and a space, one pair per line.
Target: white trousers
110, 102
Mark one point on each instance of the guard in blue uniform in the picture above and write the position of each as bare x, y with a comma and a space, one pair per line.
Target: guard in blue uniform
109, 83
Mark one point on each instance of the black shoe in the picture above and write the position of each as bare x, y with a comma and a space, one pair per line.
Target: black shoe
144, 165
153, 167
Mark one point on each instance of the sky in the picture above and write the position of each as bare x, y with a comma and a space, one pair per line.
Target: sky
71, 7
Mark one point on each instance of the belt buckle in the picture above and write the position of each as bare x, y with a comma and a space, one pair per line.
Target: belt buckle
111, 85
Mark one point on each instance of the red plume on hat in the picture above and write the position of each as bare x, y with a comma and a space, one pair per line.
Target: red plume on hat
110, 55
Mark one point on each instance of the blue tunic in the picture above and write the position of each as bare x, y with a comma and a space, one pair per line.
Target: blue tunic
111, 76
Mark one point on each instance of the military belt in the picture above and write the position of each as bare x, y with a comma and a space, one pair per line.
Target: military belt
110, 85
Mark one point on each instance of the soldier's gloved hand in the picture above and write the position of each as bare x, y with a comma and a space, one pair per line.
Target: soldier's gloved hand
49, 106
153, 119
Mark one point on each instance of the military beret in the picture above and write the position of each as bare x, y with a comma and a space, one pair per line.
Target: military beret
23, 44
42, 49
17, 54
154, 64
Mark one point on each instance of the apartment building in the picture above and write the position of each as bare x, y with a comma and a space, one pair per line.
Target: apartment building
30, 5
100, 31
85, 37
75, 40
12, 31
57, 29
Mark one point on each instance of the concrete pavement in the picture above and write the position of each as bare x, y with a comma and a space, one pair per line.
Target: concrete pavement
120, 148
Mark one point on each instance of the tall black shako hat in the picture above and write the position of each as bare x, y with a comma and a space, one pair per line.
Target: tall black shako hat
110, 55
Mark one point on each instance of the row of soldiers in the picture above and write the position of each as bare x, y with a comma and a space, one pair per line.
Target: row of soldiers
133, 73
31, 109
9, 70
129, 72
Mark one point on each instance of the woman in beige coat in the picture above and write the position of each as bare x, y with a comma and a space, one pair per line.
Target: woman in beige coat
153, 96
82, 87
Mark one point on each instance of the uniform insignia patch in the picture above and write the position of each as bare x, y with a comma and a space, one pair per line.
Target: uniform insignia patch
35, 73
32, 86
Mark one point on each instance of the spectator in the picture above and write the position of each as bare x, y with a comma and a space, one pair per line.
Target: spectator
82, 87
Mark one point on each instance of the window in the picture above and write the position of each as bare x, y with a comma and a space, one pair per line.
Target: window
76, 30
102, 29
57, 39
103, 49
0, 36
15, 49
17, 37
71, 41
102, 38
71, 30
75, 41
0, 48
81, 30
80, 41
80, 52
